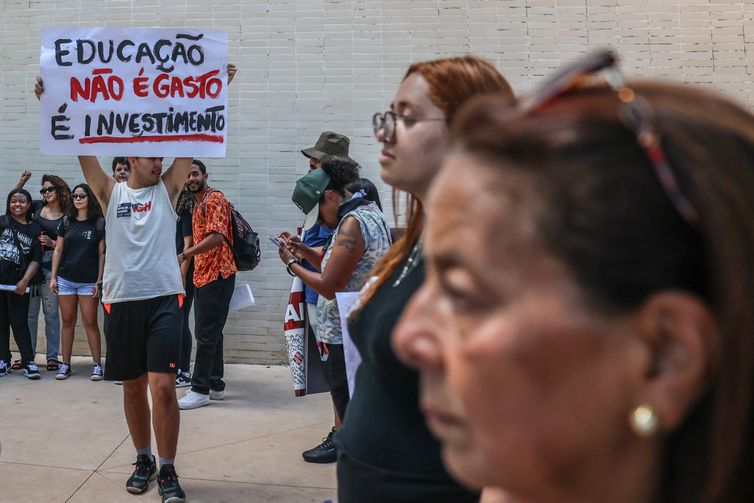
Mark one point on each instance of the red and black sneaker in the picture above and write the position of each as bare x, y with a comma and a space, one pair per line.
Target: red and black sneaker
144, 473
168, 485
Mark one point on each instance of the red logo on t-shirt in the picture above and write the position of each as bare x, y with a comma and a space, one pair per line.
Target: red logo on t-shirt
142, 208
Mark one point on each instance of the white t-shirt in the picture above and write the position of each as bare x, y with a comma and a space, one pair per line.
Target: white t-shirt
140, 261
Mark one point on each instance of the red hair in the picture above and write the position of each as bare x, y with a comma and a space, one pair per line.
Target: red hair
452, 81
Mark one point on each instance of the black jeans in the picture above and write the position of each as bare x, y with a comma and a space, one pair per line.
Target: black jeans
335, 370
184, 362
210, 312
14, 313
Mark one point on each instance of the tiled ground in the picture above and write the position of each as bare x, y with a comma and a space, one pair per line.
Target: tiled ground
67, 441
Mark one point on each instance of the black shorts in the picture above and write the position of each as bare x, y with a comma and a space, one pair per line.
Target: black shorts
143, 336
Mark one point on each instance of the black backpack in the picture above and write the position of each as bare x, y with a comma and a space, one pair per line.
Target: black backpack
245, 247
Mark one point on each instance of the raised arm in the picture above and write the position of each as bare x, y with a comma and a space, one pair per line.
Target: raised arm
25, 175
175, 177
100, 183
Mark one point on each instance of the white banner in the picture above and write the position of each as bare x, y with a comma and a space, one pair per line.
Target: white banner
134, 92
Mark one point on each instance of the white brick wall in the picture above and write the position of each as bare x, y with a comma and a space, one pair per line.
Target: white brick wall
310, 65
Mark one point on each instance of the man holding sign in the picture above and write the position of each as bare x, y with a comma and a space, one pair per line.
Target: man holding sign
143, 294
142, 285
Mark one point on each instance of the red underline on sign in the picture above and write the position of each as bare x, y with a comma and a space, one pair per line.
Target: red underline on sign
148, 139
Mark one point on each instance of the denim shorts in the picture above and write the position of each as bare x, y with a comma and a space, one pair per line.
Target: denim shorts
66, 287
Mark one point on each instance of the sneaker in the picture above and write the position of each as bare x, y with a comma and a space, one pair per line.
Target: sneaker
63, 372
183, 380
324, 452
119, 383
31, 370
4, 368
144, 473
97, 373
168, 485
193, 400
216, 395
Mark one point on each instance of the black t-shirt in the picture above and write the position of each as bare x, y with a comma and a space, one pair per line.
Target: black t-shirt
182, 230
19, 247
80, 260
385, 404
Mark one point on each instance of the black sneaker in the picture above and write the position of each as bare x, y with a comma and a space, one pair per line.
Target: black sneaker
168, 485
183, 380
324, 452
144, 473
64, 372
31, 370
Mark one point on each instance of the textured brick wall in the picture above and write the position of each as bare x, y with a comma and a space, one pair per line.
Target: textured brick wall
309, 65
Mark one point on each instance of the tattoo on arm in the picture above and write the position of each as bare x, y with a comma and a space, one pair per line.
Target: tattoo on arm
348, 239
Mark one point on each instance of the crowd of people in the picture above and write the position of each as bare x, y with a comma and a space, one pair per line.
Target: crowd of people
566, 316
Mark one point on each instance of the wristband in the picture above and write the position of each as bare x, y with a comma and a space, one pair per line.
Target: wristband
183, 256
290, 263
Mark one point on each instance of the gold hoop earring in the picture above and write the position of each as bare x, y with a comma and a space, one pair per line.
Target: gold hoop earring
644, 421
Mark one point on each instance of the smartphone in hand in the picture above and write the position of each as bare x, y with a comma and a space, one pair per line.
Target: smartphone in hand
276, 242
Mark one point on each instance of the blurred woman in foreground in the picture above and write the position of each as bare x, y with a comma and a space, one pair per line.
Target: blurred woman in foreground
585, 332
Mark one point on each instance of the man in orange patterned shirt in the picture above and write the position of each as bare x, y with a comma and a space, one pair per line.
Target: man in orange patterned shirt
214, 279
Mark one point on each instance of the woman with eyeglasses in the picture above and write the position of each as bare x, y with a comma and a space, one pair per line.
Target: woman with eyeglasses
77, 266
48, 213
585, 330
385, 451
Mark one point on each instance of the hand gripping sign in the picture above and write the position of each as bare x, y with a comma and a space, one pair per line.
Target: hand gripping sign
147, 92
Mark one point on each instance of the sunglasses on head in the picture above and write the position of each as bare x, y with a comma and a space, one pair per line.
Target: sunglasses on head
47, 190
635, 113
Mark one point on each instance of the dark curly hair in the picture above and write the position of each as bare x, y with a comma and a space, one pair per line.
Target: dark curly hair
342, 173
186, 202
93, 209
61, 189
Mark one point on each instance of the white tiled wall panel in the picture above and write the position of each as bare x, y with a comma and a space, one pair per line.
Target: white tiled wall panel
310, 65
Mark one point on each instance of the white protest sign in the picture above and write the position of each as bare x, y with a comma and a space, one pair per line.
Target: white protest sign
346, 301
134, 92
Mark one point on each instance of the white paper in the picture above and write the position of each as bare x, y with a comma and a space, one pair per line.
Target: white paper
242, 297
159, 92
345, 301
12, 288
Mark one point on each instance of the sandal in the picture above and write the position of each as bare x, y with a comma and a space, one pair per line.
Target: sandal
17, 365
53, 365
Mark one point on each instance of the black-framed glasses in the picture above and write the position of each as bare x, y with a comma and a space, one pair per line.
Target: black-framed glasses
387, 121
47, 190
635, 112
78, 196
